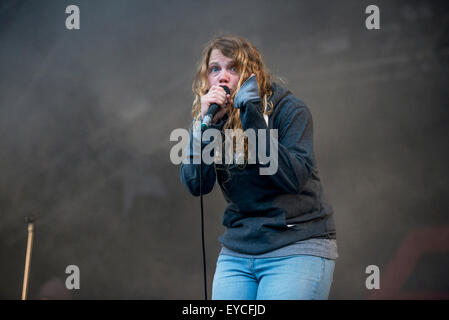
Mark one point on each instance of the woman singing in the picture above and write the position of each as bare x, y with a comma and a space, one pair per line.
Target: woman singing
280, 237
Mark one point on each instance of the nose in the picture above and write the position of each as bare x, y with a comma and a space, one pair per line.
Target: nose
224, 76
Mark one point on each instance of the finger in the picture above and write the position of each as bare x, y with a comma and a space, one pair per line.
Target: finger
219, 91
221, 97
217, 88
211, 89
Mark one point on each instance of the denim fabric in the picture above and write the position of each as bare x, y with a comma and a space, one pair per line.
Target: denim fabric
298, 277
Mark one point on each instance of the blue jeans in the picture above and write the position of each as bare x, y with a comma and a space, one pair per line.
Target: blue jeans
296, 277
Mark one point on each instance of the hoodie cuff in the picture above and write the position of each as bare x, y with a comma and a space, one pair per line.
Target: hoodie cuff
249, 91
219, 124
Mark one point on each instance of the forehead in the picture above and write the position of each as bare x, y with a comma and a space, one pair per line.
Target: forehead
216, 56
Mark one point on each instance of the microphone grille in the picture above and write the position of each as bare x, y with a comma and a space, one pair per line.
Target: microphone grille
226, 89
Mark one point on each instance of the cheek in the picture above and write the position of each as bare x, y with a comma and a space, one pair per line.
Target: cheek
211, 81
235, 81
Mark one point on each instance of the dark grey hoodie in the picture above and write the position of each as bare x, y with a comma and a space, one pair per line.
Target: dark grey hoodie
267, 212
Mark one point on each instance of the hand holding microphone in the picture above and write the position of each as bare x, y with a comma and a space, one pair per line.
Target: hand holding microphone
211, 102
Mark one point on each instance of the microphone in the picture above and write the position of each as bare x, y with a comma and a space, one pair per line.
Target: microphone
212, 111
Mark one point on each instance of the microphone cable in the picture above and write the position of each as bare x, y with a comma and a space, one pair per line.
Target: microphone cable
214, 110
202, 219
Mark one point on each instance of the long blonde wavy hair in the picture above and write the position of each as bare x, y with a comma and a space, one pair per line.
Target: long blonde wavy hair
248, 60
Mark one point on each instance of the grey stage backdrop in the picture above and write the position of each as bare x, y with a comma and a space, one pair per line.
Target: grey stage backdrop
86, 115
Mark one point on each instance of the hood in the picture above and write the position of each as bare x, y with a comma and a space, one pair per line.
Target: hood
278, 93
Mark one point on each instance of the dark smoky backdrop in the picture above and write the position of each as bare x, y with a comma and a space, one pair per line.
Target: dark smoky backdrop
86, 117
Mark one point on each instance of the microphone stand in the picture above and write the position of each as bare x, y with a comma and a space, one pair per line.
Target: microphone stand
30, 220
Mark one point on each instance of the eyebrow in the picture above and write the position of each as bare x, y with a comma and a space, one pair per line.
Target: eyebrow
214, 63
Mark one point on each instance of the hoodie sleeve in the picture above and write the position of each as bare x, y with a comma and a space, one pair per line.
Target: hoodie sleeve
190, 166
294, 142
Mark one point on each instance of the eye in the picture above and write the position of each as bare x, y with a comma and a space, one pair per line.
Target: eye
213, 69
